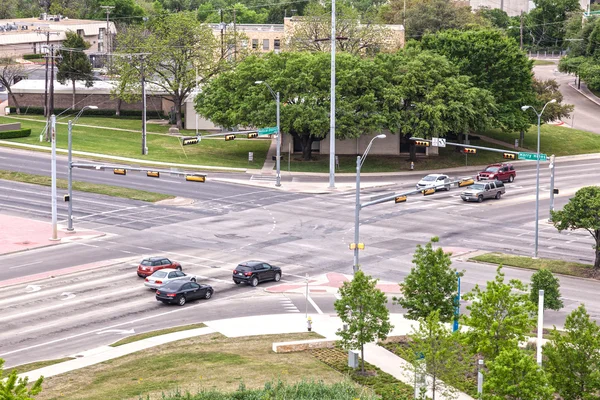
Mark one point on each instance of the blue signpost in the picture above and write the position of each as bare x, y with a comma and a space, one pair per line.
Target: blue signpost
457, 307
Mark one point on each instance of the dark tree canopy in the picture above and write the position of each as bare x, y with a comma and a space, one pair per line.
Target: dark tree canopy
73, 64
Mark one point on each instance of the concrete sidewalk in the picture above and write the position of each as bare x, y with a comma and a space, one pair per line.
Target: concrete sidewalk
325, 325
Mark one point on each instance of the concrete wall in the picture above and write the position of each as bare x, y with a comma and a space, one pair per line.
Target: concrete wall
203, 123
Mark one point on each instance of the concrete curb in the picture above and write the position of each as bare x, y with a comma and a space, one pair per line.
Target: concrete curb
591, 98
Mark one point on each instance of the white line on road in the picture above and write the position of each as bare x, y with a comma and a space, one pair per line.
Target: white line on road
24, 265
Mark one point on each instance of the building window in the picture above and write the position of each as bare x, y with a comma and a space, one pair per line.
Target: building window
101, 34
244, 44
277, 44
265, 44
80, 32
101, 47
254, 44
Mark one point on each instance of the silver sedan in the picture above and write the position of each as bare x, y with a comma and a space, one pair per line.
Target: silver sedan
160, 277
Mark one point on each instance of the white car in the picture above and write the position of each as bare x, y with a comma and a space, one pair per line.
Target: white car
437, 181
162, 276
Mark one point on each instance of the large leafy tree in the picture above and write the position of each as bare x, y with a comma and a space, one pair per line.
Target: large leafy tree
14, 388
363, 308
431, 284
423, 94
546, 90
546, 281
233, 98
546, 22
500, 316
73, 64
171, 51
515, 375
9, 70
361, 34
573, 358
582, 212
494, 62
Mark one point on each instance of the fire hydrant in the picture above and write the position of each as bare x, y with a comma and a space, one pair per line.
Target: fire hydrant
412, 165
309, 324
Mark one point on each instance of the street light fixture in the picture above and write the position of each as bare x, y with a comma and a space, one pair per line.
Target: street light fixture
537, 184
278, 137
70, 205
359, 163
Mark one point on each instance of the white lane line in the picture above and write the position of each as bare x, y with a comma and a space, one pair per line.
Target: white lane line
24, 265
111, 211
312, 303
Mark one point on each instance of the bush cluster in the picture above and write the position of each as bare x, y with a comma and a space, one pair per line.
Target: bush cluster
15, 134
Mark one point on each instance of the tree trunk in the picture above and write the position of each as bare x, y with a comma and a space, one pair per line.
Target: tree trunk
73, 106
14, 98
362, 358
118, 110
177, 104
597, 249
521, 138
306, 142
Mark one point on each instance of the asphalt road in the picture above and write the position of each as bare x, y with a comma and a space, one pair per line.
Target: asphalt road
304, 234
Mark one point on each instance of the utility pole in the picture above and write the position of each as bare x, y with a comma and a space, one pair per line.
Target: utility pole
521, 29
222, 25
46, 85
107, 39
234, 38
144, 145
332, 101
50, 100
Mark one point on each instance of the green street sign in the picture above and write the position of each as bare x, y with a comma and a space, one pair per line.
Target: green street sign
268, 131
532, 156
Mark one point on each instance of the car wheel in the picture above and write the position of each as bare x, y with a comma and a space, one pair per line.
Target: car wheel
193, 280
277, 277
498, 195
178, 268
254, 282
237, 282
181, 300
511, 178
208, 294
479, 198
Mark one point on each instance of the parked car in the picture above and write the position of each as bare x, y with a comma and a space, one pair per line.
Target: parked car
148, 266
483, 190
180, 292
253, 272
499, 172
438, 181
166, 275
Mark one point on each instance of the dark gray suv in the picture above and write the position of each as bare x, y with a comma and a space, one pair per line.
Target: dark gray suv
253, 272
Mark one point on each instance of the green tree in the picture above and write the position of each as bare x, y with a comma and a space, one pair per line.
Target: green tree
590, 72
494, 62
515, 375
547, 21
582, 212
497, 18
177, 47
8, 9
233, 98
423, 94
573, 358
500, 316
363, 308
14, 388
127, 11
546, 90
431, 284
73, 64
546, 281
9, 70
434, 344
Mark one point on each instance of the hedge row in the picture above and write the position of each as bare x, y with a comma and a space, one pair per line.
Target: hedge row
88, 112
15, 134
33, 56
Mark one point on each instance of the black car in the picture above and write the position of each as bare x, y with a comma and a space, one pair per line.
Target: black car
178, 292
253, 272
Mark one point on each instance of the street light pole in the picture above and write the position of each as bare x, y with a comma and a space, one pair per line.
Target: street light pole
278, 137
53, 179
70, 205
359, 163
332, 108
537, 180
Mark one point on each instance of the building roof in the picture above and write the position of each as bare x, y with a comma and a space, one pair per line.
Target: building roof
33, 86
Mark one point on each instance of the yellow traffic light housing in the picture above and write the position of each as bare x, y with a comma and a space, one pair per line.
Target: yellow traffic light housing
466, 182
421, 143
400, 199
427, 192
190, 140
354, 246
120, 171
510, 156
153, 174
229, 137
468, 150
252, 135
196, 178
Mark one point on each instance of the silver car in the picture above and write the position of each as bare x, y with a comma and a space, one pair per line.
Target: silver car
162, 276
436, 181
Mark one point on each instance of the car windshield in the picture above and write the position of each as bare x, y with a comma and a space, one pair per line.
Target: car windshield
146, 262
430, 178
477, 186
159, 274
491, 169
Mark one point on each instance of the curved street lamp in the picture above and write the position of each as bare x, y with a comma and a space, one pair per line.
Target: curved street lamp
537, 184
359, 163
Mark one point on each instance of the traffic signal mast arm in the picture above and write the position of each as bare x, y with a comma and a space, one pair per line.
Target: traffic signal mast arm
228, 136
468, 146
124, 169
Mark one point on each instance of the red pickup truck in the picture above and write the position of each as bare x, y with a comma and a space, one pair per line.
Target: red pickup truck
499, 172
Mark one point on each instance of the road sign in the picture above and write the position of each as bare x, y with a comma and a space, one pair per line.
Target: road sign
434, 142
250, 156
532, 156
268, 131
441, 142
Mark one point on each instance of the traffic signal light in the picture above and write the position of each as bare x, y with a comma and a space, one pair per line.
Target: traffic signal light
427, 192
120, 171
354, 246
196, 178
399, 199
229, 137
469, 151
421, 143
190, 140
510, 156
252, 135
466, 182
153, 174
67, 197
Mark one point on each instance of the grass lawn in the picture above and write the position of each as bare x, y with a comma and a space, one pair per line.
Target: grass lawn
146, 335
543, 62
108, 190
204, 362
556, 266
35, 365
213, 152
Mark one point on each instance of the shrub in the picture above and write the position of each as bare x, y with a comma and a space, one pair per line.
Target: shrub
33, 56
15, 134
